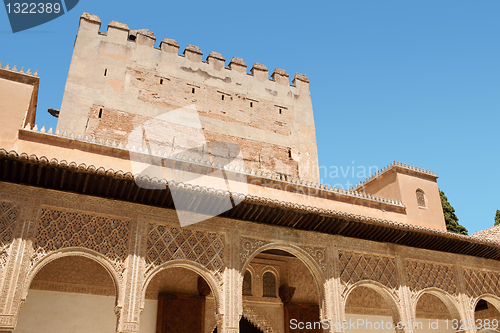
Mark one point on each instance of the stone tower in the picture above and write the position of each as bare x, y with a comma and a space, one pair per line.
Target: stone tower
121, 88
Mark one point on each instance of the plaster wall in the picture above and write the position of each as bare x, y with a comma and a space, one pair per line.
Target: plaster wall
60, 312
430, 216
15, 99
402, 185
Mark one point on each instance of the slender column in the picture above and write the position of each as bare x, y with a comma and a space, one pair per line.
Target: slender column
465, 307
333, 293
17, 267
231, 303
130, 310
407, 316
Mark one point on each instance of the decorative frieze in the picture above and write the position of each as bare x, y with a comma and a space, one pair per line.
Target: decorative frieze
9, 215
167, 243
422, 274
355, 267
58, 229
478, 282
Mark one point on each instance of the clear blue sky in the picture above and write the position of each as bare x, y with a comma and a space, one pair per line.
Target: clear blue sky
413, 81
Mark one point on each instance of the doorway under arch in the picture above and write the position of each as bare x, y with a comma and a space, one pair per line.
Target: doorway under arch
284, 290
178, 299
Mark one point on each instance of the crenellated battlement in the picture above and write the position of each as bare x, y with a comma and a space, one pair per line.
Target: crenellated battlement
20, 71
120, 33
392, 166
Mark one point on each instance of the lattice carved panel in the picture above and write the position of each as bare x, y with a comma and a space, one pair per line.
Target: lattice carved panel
357, 267
59, 229
421, 275
167, 243
481, 282
9, 215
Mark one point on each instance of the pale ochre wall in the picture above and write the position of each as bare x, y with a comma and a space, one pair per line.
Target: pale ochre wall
402, 185
148, 317
59, 312
15, 98
364, 328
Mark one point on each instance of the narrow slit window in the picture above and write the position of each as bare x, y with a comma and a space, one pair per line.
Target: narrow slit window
251, 104
100, 113
222, 97
280, 111
192, 90
161, 81
105, 72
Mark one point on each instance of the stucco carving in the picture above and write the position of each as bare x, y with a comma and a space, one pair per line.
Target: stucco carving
59, 229
481, 282
9, 215
167, 243
318, 254
249, 246
259, 319
422, 274
355, 267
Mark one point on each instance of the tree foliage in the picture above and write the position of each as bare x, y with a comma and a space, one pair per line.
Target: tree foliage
450, 217
497, 217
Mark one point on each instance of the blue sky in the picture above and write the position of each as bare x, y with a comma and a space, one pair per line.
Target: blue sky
412, 81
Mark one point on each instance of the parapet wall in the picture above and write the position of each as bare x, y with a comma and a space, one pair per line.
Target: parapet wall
18, 100
119, 84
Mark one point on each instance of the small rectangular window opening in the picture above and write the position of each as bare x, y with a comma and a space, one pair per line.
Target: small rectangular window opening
251, 104
100, 113
222, 97
280, 111
192, 90
290, 153
161, 81
105, 72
